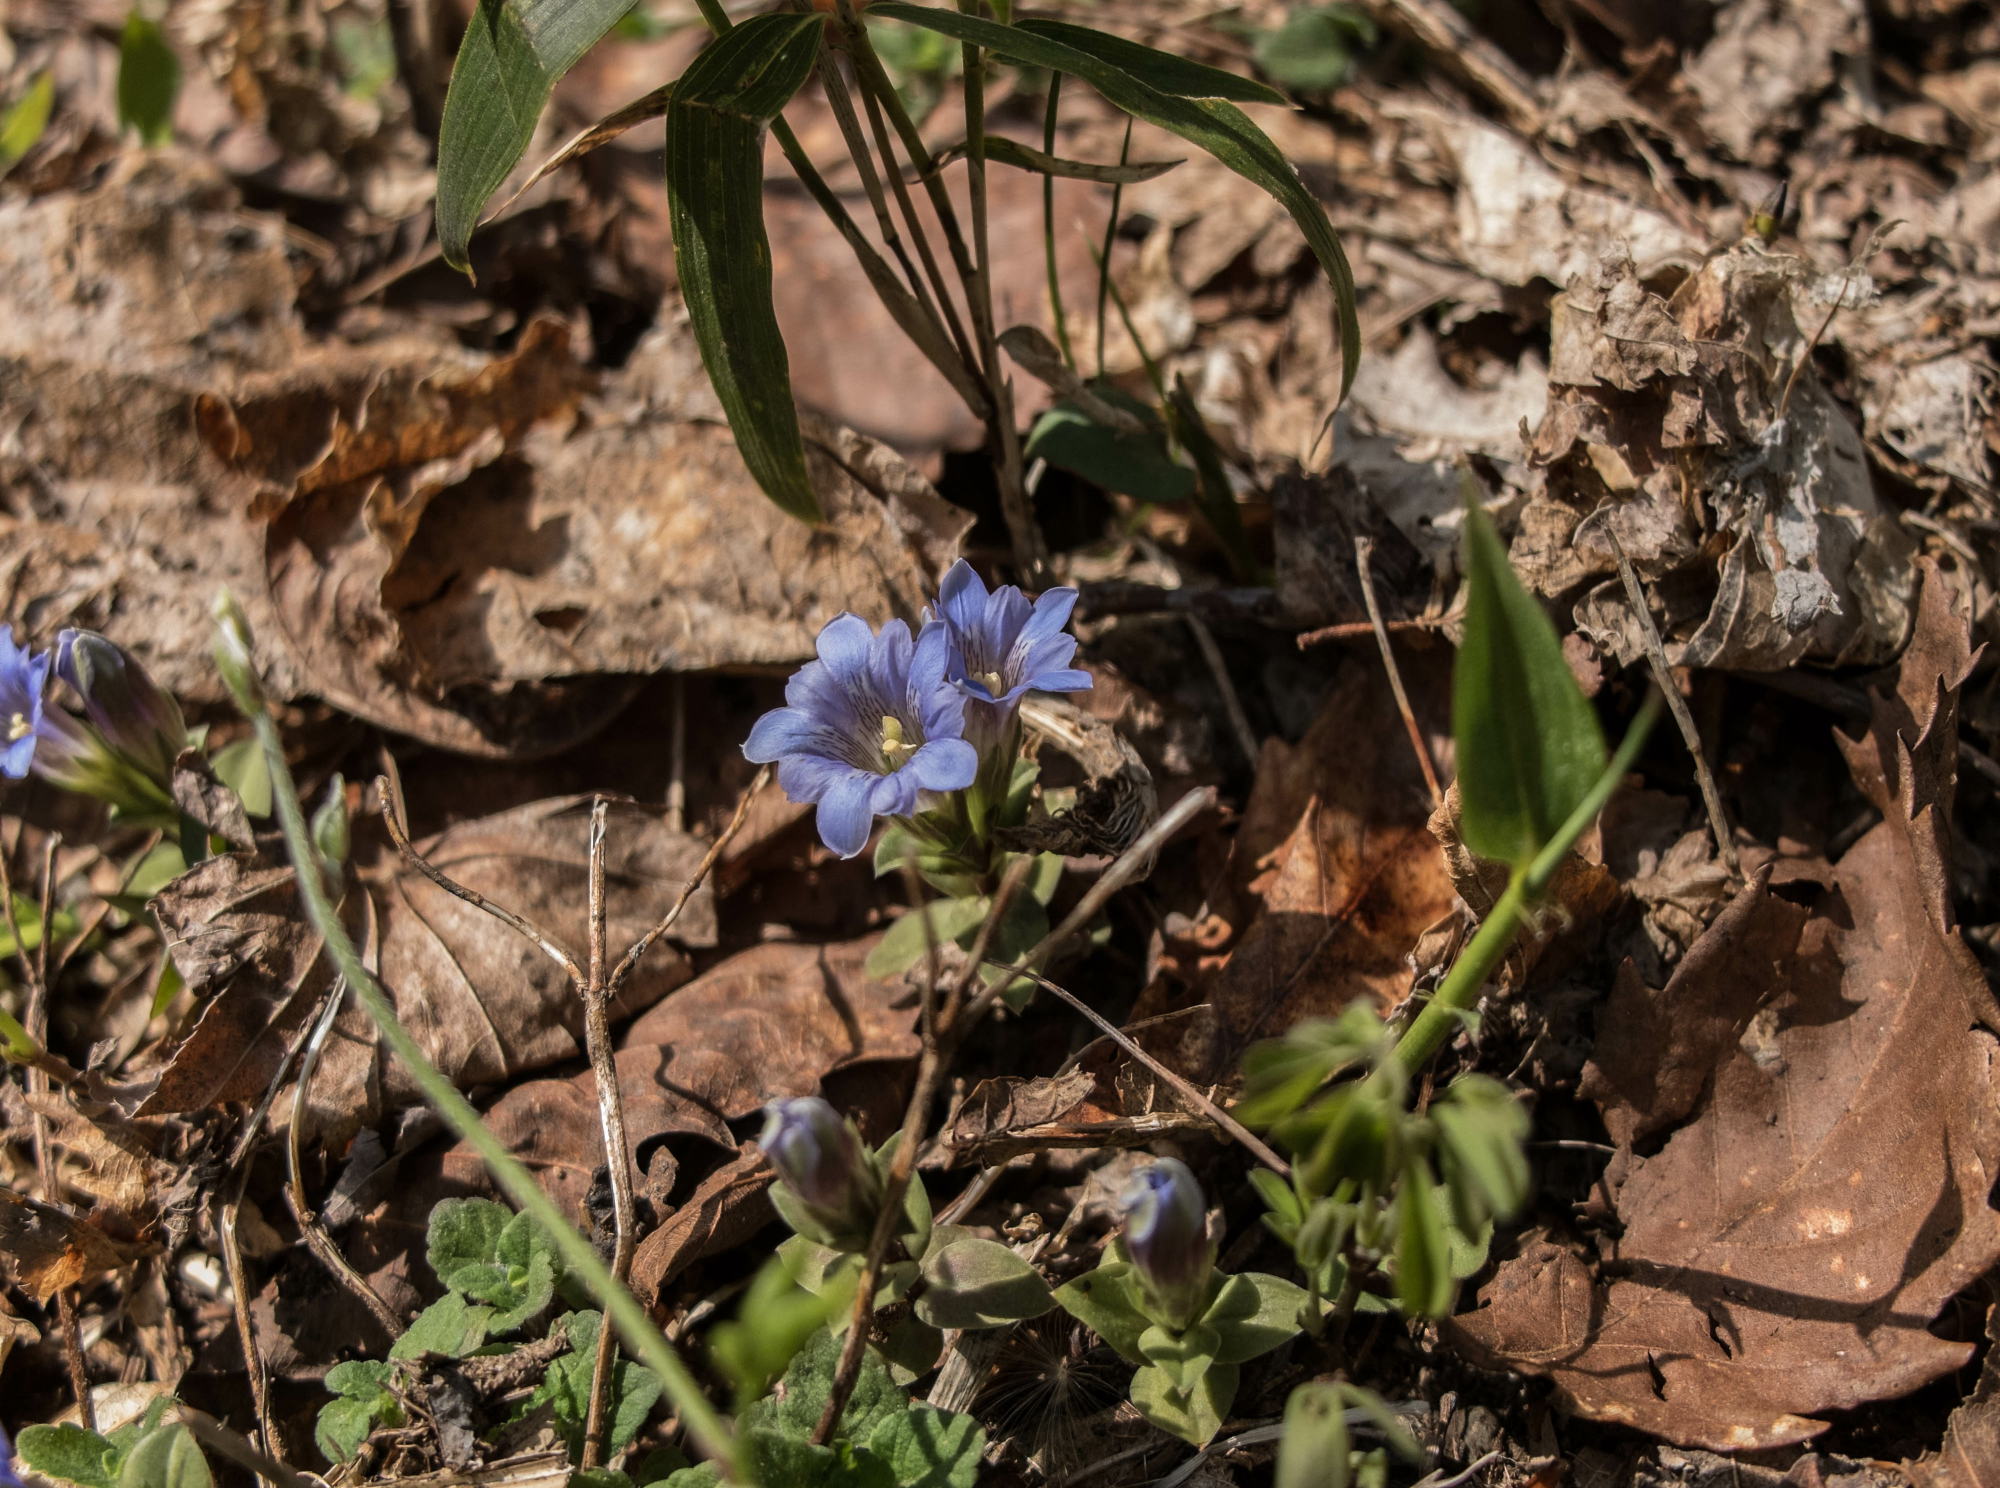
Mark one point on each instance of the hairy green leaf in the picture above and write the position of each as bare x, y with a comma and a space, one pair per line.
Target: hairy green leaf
977, 1283
167, 1456
1529, 745
1254, 1313
1181, 99
513, 53
69, 1454
1105, 1302
715, 194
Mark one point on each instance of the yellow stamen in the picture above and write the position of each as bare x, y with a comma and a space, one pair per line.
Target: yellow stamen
18, 728
992, 683
894, 746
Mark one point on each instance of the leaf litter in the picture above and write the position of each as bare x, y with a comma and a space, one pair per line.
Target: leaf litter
474, 524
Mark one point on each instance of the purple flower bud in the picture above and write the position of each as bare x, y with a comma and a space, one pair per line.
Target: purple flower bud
867, 729
819, 1157
141, 722
1166, 1234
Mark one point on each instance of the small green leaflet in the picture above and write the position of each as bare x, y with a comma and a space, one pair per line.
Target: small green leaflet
512, 56
149, 80
23, 121
1529, 745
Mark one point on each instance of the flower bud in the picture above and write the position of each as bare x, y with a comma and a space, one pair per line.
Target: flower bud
140, 722
1166, 1234
232, 653
820, 1159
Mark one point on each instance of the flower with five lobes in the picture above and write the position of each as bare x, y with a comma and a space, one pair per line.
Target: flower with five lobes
1002, 645
121, 749
867, 727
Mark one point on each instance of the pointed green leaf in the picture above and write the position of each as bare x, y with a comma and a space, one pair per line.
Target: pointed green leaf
715, 196
513, 53
902, 945
1004, 151
1135, 464
25, 118
1156, 69
1253, 1314
149, 80
1423, 1258
165, 1457
1216, 125
1104, 1302
1529, 746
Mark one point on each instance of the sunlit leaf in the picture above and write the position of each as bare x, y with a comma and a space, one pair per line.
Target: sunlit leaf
1529, 745
23, 121
1160, 96
715, 193
513, 53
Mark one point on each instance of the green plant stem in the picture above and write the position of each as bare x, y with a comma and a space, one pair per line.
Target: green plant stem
1056, 312
704, 1423
1475, 965
1110, 237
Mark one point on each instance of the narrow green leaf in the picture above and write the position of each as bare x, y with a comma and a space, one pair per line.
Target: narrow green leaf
1156, 69
1138, 465
715, 193
513, 53
1423, 1258
1113, 67
1022, 157
1313, 1452
1529, 746
149, 80
25, 118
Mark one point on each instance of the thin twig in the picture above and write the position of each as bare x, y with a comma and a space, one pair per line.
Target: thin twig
1130, 865
1663, 675
391, 819
35, 1079
217, 1437
1236, 1129
1354, 630
611, 1120
637, 951
226, 1209
1364, 548
1232, 705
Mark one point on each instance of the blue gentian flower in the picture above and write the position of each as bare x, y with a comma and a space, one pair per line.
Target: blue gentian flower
24, 678
1002, 647
867, 728
1166, 1235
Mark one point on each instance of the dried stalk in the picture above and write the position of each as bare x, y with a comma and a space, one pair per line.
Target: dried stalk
1363, 549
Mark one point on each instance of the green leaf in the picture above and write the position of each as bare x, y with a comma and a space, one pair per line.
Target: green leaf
902, 945
1195, 1415
363, 1401
1104, 1301
1253, 1314
777, 1316
70, 1454
25, 118
1152, 86
715, 195
1138, 465
1314, 49
1278, 1195
929, 1448
450, 1326
241, 767
1424, 1282
1185, 1356
1160, 70
1004, 151
565, 1389
1313, 1452
512, 55
464, 1232
165, 1457
977, 1283
149, 80
1528, 743
1482, 1133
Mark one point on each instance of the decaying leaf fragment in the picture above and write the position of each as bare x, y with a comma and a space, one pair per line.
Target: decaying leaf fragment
1834, 1136
43, 1250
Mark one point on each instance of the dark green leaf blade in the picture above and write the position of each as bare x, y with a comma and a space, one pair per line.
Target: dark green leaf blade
1214, 124
512, 56
1528, 742
23, 120
149, 80
715, 195
1156, 69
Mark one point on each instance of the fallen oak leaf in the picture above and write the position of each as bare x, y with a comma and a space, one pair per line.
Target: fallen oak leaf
43, 1249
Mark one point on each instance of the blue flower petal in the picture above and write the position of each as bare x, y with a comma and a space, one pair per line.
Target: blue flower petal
1051, 614
943, 765
962, 597
845, 818
780, 732
893, 795
1063, 681
17, 757
843, 645
806, 778
889, 663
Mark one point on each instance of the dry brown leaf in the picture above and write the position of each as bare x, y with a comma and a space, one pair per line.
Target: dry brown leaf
43, 1249
483, 1002
1969, 1456
1785, 1251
